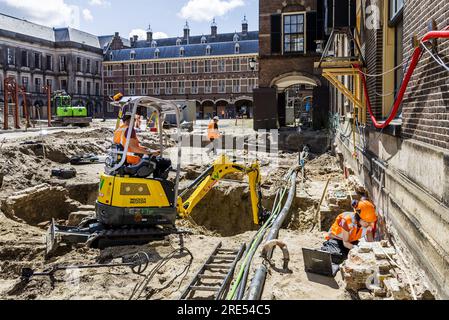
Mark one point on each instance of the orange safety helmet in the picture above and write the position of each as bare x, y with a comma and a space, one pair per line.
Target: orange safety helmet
367, 211
118, 97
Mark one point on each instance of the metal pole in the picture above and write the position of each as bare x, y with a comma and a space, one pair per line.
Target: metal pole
258, 283
25, 108
48, 88
5, 107
16, 108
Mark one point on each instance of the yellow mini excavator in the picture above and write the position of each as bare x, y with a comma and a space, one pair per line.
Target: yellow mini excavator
137, 203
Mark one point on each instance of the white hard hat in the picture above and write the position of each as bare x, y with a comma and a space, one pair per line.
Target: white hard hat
216, 118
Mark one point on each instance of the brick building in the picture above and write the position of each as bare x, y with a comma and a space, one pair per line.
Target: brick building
288, 51
64, 58
404, 167
217, 70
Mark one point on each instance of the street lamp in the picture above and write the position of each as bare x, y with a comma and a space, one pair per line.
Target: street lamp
252, 64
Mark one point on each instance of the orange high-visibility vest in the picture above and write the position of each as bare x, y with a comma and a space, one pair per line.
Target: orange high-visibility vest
355, 233
120, 138
212, 133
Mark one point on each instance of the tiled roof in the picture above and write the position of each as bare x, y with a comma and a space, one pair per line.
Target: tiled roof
191, 50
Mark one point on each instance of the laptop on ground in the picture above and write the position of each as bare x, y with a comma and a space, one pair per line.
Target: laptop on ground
319, 262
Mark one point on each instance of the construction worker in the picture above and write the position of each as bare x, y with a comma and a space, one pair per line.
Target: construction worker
213, 135
138, 155
349, 228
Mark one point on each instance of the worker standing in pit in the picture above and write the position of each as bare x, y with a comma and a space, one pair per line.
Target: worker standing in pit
213, 135
349, 228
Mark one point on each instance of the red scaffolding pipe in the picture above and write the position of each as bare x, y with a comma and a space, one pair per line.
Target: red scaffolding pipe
415, 60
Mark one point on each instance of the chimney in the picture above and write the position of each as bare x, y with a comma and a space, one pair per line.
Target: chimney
213, 29
149, 34
136, 37
245, 26
187, 32
131, 41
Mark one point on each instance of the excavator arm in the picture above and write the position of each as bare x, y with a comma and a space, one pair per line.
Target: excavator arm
218, 171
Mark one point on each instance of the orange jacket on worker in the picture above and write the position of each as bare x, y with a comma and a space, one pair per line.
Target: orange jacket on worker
212, 131
120, 138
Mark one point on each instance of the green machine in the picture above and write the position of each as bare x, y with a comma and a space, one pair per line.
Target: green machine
66, 113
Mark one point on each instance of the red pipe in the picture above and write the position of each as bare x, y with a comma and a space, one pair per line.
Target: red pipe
415, 60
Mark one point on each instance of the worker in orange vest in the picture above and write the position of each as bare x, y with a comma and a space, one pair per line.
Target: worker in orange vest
349, 228
138, 155
213, 135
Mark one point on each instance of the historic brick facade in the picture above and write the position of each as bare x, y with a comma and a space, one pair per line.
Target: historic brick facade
426, 106
215, 70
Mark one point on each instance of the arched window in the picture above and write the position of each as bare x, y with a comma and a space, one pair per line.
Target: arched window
153, 44
203, 40
132, 55
237, 48
157, 53
111, 56
178, 42
208, 50
182, 52
236, 38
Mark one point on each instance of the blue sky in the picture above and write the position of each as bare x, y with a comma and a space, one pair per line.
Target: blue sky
167, 17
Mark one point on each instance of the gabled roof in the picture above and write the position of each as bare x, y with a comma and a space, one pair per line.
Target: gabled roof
191, 50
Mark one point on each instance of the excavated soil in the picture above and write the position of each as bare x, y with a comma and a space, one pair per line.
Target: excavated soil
30, 198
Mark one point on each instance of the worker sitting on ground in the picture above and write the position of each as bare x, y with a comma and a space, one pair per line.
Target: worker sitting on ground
213, 135
349, 228
142, 161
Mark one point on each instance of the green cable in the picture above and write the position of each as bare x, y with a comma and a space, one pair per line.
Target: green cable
253, 247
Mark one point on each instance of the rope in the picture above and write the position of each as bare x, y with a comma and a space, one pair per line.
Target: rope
437, 58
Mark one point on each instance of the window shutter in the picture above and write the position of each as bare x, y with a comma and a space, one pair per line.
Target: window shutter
311, 32
276, 33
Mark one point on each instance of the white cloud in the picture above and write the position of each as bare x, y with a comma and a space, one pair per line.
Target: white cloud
87, 15
206, 10
54, 13
99, 3
143, 34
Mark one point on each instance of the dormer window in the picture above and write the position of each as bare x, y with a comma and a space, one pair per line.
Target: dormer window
182, 52
111, 56
237, 48
236, 38
153, 44
132, 55
203, 40
178, 42
157, 54
208, 50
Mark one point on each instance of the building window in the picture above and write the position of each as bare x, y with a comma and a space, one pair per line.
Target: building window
109, 70
181, 67
222, 65
168, 69
25, 62
208, 50
208, 86
194, 87
251, 85
144, 88
157, 88
132, 70
49, 62
153, 44
64, 85
236, 65
110, 89
79, 87
236, 85
181, 87
157, 54
62, 64
11, 56
237, 48
208, 66
25, 82
111, 56
50, 83
132, 89
156, 69
88, 66
37, 61
88, 88
222, 86
37, 85
396, 7
203, 40
97, 67
132, 55
144, 69
182, 52
194, 66
78, 65
178, 42
294, 33
168, 87
97, 89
